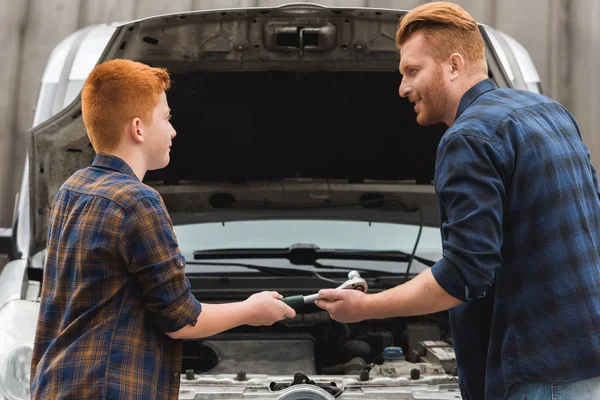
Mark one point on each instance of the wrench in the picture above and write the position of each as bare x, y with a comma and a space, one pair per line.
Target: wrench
354, 282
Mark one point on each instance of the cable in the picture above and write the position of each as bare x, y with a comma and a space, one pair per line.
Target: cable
412, 256
318, 275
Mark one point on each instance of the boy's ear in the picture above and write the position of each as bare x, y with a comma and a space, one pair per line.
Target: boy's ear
136, 130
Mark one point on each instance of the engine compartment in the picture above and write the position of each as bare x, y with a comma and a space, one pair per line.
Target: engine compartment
313, 344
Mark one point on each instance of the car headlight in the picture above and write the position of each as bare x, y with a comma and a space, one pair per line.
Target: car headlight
15, 365
18, 320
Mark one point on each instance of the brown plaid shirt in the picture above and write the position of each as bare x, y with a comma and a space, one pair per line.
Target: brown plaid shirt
114, 283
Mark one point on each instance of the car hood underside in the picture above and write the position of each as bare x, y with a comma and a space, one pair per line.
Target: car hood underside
286, 112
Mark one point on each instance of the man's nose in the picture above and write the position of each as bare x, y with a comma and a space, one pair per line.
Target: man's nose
173, 134
403, 90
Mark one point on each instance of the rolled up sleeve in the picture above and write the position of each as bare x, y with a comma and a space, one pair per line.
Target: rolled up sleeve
150, 246
470, 189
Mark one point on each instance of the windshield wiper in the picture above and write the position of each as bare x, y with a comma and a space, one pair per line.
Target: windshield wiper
308, 254
278, 271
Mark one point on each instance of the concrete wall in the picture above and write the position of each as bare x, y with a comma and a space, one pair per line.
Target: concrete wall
562, 36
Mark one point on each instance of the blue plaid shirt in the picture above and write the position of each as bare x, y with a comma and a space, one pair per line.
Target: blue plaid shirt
520, 224
114, 283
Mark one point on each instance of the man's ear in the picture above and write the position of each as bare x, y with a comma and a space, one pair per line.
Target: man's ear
457, 65
136, 130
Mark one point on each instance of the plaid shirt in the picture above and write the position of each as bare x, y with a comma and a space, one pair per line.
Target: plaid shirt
520, 211
114, 282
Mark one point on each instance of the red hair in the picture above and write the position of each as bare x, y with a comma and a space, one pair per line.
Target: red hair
449, 28
115, 93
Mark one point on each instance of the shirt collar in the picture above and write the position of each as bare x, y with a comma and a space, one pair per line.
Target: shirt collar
114, 163
472, 94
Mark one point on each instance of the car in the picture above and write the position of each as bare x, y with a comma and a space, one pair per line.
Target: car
296, 165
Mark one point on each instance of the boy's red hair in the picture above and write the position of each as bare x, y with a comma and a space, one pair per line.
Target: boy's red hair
115, 93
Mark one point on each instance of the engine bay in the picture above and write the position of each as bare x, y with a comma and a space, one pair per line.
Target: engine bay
312, 344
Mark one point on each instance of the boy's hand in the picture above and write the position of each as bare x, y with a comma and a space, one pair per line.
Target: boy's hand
265, 308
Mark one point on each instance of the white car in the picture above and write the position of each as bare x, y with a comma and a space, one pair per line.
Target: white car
295, 163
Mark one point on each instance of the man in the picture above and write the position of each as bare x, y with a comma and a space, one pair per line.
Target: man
520, 224
115, 298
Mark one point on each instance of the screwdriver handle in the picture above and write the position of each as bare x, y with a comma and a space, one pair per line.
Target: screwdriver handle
294, 301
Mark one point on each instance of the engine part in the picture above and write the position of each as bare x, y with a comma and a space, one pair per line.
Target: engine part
356, 348
352, 367
415, 373
241, 376
438, 352
416, 333
378, 339
364, 375
403, 368
273, 354
307, 319
305, 392
393, 353
303, 388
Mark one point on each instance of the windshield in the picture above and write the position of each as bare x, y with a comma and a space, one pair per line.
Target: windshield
340, 235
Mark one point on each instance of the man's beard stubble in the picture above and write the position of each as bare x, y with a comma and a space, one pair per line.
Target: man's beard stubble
436, 99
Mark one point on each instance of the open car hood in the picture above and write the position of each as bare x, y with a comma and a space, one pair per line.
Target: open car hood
302, 37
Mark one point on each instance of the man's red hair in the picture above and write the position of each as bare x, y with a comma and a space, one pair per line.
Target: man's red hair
449, 29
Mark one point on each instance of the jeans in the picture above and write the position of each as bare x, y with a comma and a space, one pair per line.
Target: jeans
587, 389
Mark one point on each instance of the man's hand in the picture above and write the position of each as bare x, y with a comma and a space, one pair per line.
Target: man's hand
421, 295
265, 308
344, 305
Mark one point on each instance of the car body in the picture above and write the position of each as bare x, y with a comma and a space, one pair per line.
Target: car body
292, 141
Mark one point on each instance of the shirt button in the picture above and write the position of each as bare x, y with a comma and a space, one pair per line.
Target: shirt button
175, 374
